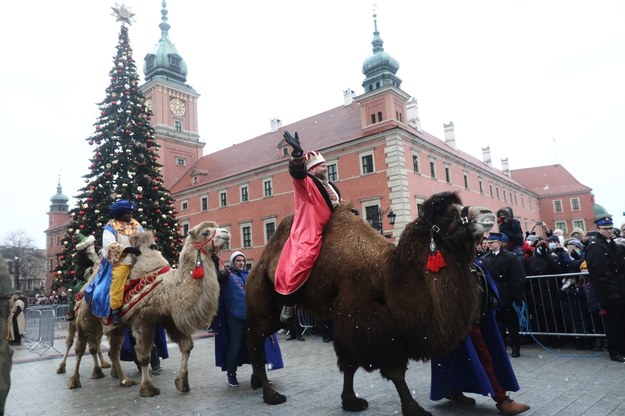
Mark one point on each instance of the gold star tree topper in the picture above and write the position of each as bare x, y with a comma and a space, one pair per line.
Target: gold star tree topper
123, 14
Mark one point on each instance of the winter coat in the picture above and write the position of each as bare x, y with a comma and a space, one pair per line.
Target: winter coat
233, 293
606, 269
312, 211
508, 273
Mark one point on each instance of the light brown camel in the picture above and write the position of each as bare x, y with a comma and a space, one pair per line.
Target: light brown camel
385, 306
181, 303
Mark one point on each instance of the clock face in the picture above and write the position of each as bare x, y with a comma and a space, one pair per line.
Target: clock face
148, 104
177, 107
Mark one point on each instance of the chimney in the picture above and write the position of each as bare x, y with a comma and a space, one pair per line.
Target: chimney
412, 111
505, 167
450, 137
348, 96
276, 123
486, 156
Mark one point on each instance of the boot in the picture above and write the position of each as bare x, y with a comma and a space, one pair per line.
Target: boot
286, 314
459, 397
509, 407
115, 318
232, 380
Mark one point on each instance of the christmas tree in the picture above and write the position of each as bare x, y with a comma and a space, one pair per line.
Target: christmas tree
124, 166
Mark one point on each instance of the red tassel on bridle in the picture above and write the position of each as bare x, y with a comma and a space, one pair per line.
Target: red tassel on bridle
198, 270
435, 258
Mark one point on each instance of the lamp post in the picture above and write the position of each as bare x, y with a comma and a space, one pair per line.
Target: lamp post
375, 218
16, 272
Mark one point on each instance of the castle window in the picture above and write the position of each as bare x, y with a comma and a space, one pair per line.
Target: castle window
333, 172
177, 125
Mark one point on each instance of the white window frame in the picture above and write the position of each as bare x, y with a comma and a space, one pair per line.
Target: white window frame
181, 161
247, 188
202, 199
335, 165
265, 182
184, 205
579, 223
579, 204
555, 203
223, 202
265, 223
361, 156
243, 226
561, 225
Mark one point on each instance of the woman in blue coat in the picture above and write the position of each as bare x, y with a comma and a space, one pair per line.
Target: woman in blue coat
231, 323
479, 364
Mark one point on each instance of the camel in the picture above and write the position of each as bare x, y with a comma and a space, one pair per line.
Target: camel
386, 306
185, 300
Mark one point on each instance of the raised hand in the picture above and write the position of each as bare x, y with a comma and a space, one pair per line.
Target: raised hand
294, 143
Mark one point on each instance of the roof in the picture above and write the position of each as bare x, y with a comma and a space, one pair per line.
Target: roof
559, 180
324, 130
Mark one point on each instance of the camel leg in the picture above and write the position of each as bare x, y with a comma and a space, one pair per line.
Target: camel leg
182, 378
103, 362
409, 406
93, 350
69, 341
349, 400
116, 337
256, 353
144, 336
74, 380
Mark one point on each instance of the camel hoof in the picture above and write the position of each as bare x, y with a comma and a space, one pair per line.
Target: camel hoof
273, 397
413, 409
97, 373
355, 404
127, 382
61, 369
105, 364
74, 383
183, 385
149, 391
256, 382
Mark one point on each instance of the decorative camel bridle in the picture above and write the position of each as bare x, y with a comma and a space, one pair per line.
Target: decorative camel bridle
198, 271
435, 257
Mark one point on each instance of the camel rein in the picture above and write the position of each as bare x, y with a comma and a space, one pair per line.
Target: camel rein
198, 271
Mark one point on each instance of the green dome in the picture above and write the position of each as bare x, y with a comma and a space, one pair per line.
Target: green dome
600, 212
59, 198
380, 68
165, 61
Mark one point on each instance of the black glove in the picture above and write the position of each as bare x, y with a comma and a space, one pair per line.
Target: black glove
132, 250
294, 143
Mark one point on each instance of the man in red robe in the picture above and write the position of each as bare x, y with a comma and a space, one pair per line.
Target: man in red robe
314, 200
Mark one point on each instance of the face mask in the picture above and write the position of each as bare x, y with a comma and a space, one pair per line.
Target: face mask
577, 250
540, 251
552, 246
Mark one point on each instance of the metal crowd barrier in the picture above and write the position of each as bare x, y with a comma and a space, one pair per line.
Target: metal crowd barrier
562, 305
40, 326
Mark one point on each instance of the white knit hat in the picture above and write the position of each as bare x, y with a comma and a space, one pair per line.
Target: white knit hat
234, 255
313, 158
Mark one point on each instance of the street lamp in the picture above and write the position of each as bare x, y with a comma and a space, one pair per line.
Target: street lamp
16, 272
375, 217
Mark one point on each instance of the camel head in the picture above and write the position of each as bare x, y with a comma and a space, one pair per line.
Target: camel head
208, 237
451, 222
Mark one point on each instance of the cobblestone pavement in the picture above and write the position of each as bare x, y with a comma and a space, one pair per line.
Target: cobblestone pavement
560, 384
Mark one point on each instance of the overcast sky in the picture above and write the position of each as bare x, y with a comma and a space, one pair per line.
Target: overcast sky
540, 82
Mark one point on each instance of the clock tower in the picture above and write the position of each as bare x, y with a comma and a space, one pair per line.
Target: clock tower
174, 107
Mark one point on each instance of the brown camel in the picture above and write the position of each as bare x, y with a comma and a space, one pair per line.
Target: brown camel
182, 303
385, 306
